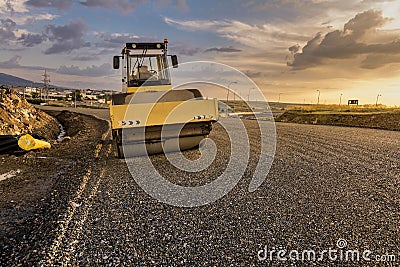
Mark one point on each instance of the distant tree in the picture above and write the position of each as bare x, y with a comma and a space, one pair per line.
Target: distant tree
78, 95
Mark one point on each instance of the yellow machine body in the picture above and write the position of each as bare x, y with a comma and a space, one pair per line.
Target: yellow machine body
163, 113
149, 117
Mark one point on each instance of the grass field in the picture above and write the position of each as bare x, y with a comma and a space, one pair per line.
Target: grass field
241, 106
366, 116
343, 109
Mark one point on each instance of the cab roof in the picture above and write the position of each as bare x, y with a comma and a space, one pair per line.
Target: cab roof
148, 46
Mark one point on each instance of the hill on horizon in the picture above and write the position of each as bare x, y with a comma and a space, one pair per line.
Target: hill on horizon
10, 80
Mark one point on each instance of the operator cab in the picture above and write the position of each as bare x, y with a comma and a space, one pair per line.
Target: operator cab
145, 64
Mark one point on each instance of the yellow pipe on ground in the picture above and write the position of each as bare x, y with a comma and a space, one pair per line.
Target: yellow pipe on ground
27, 143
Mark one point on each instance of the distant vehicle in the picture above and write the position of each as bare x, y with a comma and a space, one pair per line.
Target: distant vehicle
148, 113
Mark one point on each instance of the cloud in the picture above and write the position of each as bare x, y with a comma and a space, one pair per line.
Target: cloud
118, 37
67, 38
7, 28
65, 47
32, 19
362, 23
115, 40
180, 48
189, 51
250, 35
9, 33
125, 6
57, 4
308, 11
10, 6
29, 39
378, 61
351, 42
375, 1
21, 13
85, 57
11, 63
92, 71
294, 48
229, 49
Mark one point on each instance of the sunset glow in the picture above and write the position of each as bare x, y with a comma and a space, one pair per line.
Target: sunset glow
288, 47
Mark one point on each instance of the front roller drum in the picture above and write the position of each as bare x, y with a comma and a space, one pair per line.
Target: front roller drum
149, 142
138, 149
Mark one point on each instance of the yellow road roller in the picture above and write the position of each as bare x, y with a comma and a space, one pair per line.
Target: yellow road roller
149, 116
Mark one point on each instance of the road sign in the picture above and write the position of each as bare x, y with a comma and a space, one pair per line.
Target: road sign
353, 102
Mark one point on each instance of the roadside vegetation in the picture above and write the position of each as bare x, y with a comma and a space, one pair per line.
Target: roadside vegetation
343, 109
367, 116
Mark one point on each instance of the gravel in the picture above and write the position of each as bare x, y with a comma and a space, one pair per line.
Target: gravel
326, 183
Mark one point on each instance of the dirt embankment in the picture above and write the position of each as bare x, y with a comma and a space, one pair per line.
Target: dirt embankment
386, 121
18, 117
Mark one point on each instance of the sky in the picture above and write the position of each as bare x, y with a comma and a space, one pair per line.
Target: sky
295, 49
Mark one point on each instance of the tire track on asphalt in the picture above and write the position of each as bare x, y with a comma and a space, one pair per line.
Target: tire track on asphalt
56, 249
83, 214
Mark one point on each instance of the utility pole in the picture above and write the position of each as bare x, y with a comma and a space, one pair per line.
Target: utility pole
319, 94
377, 98
248, 96
279, 98
227, 97
46, 82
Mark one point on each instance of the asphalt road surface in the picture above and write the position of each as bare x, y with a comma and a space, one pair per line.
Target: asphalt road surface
328, 188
